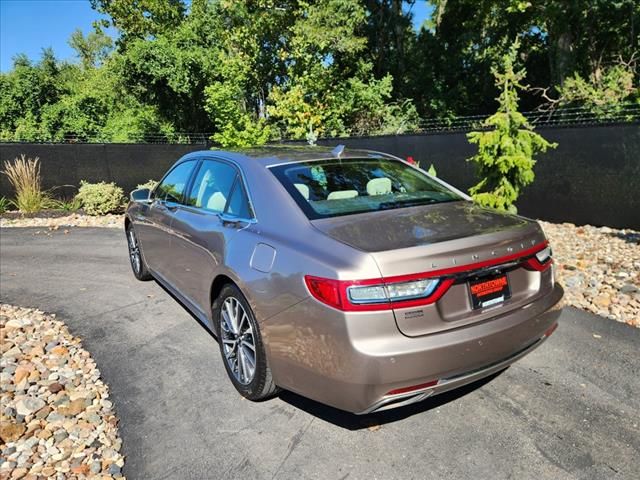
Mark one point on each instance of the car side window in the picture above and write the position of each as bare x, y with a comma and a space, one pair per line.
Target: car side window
239, 203
212, 187
173, 186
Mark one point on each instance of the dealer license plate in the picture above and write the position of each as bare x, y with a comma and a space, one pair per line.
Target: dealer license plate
488, 291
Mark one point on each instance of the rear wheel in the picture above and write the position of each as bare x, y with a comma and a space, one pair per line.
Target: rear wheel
135, 256
241, 345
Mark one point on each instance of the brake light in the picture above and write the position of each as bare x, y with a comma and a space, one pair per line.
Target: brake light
325, 290
377, 294
534, 264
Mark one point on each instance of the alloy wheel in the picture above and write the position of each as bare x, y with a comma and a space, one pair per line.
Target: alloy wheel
238, 340
134, 250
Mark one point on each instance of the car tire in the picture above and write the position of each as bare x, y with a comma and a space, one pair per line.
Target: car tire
136, 258
243, 353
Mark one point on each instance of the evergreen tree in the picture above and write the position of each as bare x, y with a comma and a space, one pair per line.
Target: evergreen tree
507, 147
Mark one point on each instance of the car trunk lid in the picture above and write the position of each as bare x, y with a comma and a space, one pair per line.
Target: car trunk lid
458, 238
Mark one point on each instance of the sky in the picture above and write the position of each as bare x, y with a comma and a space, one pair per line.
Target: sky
28, 26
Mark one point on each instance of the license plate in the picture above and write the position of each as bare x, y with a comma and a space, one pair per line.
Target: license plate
488, 291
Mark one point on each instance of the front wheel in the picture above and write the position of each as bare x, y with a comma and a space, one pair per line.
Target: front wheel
135, 256
241, 345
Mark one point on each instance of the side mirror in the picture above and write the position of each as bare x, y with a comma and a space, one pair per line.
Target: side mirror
140, 195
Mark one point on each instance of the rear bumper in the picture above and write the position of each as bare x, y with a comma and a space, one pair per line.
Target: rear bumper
352, 364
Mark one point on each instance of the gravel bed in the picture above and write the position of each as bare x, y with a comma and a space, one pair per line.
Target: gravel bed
599, 269
61, 219
56, 419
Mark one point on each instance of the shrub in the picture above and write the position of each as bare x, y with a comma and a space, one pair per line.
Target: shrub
24, 176
150, 184
68, 204
100, 198
4, 204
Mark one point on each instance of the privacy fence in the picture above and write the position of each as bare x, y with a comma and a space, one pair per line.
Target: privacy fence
592, 177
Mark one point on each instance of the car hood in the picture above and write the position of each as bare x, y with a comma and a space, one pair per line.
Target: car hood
415, 226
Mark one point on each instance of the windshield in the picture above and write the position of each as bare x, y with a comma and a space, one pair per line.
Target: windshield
334, 187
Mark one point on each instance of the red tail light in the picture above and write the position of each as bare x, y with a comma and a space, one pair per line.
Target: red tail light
335, 293
325, 290
534, 264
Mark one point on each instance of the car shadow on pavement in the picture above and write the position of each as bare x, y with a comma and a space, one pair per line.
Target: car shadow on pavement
351, 421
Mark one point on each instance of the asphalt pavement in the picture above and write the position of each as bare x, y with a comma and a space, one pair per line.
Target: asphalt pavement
569, 410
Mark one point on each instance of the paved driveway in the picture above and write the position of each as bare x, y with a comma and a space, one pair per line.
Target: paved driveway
567, 411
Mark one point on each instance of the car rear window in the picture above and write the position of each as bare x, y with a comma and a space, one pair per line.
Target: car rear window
334, 187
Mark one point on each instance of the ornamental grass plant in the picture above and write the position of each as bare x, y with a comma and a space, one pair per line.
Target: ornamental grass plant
24, 176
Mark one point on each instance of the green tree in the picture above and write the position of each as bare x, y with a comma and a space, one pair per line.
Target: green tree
142, 18
92, 49
602, 94
506, 151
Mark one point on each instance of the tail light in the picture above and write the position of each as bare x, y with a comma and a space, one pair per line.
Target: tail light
540, 261
376, 294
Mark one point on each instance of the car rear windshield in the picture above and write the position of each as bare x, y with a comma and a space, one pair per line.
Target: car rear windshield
334, 187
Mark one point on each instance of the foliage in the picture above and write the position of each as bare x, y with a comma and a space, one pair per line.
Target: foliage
67, 204
142, 18
236, 126
92, 49
24, 176
249, 71
150, 184
506, 151
432, 171
4, 204
604, 92
100, 198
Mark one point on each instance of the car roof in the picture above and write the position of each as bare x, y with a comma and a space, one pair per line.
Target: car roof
269, 155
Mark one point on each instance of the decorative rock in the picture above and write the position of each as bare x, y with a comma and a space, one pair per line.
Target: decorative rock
72, 220
21, 373
55, 387
29, 405
54, 409
600, 269
19, 473
74, 408
95, 467
114, 469
10, 432
629, 288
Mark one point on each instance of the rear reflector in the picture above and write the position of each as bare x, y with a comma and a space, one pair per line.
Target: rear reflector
422, 386
550, 330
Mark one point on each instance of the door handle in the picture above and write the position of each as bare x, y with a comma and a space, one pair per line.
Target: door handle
225, 218
162, 205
